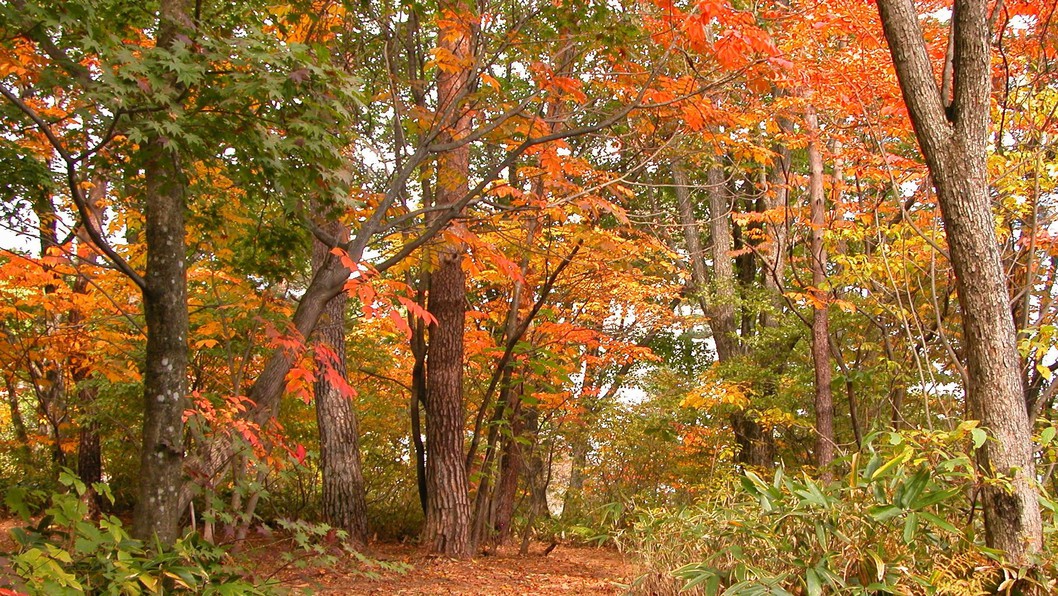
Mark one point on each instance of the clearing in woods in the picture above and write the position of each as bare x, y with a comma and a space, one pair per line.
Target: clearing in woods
567, 570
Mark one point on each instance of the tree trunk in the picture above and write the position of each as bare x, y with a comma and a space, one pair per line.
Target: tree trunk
824, 398
17, 424
953, 139
165, 378
448, 515
775, 203
416, 402
342, 503
165, 312
447, 528
723, 311
511, 466
756, 445
89, 448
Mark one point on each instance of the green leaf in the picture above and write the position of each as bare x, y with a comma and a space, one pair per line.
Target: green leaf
939, 522
882, 513
910, 527
815, 587
914, 487
933, 497
979, 437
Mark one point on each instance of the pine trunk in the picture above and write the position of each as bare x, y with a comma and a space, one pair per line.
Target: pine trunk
448, 512
447, 528
343, 504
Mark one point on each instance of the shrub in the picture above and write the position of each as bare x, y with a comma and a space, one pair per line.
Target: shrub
903, 521
65, 552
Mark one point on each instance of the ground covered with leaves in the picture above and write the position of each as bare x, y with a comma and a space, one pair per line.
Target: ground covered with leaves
400, 569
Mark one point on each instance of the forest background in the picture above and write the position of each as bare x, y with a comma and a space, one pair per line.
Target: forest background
763, 292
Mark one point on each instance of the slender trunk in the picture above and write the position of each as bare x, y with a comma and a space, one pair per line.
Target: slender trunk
416, 401
756, 445
511, 466
691, 236
775, 203
507, 407
342, 501
17, 424
578, 463
954, 143
51, 389
158, 507
536, 478
723, 311
824, 398
89, 448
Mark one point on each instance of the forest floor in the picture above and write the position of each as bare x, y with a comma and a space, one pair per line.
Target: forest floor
567, 570
398, 569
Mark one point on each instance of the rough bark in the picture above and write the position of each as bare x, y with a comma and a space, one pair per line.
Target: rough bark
158, 507
342, 501
447, 528
756, 444
824, 398
448, 515
511, 466
954, 144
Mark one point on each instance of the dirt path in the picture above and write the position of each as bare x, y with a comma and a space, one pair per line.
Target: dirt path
567, 570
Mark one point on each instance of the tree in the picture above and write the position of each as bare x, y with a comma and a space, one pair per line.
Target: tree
952, 133
824, 399
342, 498
448, 513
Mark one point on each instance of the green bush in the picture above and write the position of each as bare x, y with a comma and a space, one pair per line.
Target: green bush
903, 520
65, 552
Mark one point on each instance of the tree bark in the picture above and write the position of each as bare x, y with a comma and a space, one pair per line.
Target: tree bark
416, 402
89, 447
17, 424
447, 528
511, 465
448, 514
158, 507
723, 309
343, 501
954, 144
824, 398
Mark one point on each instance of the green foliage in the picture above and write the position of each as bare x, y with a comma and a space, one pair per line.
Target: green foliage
65, 552
902, 522
321, 545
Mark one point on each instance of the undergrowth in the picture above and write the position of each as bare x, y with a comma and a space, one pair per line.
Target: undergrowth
903, 519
